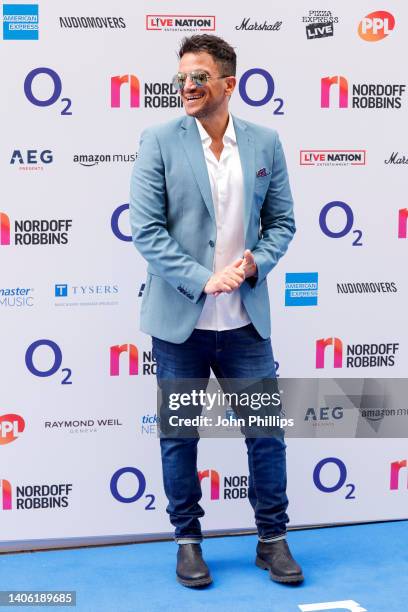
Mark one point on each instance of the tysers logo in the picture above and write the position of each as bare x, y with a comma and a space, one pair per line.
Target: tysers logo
396, 467
270, 90
115, 223
134, 493
56, 357
336, 465
348, 222
402, 222
11, 426
376, 26
57, 89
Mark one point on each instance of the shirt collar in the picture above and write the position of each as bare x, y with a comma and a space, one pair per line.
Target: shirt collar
229, 135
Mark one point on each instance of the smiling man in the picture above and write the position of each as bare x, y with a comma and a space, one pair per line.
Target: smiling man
211, 212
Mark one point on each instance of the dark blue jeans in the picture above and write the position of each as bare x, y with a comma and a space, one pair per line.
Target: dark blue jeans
231, 354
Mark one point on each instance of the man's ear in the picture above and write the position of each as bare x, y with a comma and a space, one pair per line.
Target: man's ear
231, 82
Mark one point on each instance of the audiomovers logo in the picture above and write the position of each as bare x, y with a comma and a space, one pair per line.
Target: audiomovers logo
156, 95
180, 23
376, 26
357, 355
92, 23
20, 21
352, 288
364, 95
35, 232
333, 157
11, 426
88, 160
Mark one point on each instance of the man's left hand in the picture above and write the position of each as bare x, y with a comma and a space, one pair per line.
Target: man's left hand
249, 265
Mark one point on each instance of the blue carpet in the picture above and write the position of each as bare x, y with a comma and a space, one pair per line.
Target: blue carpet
364, 563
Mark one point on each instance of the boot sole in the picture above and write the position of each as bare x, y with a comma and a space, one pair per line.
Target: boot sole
286, 579
194, 583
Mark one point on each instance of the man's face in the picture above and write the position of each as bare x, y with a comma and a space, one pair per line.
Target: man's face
203, 101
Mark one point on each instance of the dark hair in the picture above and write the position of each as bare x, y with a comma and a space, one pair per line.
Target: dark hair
223, 54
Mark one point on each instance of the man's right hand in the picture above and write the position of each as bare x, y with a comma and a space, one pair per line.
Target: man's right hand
226, 280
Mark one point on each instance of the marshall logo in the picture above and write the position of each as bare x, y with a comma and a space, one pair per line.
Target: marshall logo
339, 157
246, 25
396, 158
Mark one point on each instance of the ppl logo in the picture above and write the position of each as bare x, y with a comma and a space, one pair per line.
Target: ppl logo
321, 346
327, 83
11, 426
115, 223
214, 478
5, 494
123, 489
396, 467
115, 353
4, 229
134, 90
376, 26
20, 21
402, 222
262, 78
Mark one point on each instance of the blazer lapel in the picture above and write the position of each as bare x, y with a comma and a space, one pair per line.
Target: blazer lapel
246, 148
191, 141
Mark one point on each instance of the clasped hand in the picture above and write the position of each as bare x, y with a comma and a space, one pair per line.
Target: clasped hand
231, 277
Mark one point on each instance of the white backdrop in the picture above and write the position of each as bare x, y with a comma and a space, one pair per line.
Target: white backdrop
63, 306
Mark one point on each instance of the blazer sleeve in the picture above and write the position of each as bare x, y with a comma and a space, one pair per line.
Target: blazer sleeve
277, 218
148, 222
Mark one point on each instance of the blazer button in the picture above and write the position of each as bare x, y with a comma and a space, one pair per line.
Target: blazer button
212, 243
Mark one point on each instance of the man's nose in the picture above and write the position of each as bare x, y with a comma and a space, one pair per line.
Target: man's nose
189, 84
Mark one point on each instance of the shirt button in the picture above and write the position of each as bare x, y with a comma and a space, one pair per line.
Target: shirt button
211, 243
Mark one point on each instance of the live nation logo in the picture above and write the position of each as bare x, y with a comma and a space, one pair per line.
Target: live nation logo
179, 23
333, 157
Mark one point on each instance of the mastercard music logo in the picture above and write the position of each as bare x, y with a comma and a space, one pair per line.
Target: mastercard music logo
376, 26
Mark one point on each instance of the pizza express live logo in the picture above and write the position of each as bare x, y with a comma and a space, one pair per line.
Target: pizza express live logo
156, 95
180, 23
33, 232
360, 95
319, 24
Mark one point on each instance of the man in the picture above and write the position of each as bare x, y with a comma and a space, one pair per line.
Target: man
211, 212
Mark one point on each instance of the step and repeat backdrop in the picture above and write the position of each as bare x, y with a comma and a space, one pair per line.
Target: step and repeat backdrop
79, 454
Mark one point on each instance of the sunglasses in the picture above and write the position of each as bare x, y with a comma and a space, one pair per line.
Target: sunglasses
198, 77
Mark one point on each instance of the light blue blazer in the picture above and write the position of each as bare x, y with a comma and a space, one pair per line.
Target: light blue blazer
173, 222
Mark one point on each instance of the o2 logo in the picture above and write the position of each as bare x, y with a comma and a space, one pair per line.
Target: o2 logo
348, 222
56, 92
270, 90
56, 365
140, 488
115, 223
341, 480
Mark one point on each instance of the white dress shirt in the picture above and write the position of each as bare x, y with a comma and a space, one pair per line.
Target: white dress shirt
225, 311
